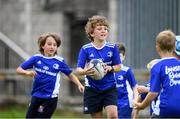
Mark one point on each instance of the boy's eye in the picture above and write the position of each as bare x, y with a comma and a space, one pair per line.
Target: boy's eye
48, 43
106, 29
99, 28
54, 45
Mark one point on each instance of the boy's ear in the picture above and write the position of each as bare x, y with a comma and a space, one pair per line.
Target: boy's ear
157, 48
91, 35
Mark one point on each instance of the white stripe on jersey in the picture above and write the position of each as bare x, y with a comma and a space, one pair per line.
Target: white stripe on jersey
130, 93
56, 57
124, 68
38, 55
57, 86
59, 58
110, 44
87, 46
156, 108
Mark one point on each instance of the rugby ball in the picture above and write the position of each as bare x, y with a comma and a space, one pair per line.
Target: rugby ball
97, 66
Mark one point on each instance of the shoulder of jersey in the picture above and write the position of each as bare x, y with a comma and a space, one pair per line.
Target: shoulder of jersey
89, 45
56, 57
38, 55
110, 44
59, 58
125, 68
156, 62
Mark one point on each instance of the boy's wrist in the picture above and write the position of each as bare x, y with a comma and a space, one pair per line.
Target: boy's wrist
112, 69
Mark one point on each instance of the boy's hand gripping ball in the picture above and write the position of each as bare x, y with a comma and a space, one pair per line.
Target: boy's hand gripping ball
98, 66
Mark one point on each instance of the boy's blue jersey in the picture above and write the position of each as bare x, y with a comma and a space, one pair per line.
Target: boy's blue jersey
165, 80
109, 54
125, 83
47, 81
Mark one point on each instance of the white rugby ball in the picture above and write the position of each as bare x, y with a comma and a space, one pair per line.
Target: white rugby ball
98, 67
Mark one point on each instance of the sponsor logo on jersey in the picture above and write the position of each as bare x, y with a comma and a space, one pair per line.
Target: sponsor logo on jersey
174, 75
119, 85
45, 71
39, 62
91, 55
45, 68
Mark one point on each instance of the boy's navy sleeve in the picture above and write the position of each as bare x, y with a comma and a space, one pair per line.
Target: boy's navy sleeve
131, 78
82, 58
116, 56
28, 64
155, 81
65, 68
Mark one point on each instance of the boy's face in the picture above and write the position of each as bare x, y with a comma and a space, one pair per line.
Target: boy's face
50, 47
100, 33
122, 57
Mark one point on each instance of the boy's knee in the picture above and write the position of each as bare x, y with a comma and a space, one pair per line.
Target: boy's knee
112, 115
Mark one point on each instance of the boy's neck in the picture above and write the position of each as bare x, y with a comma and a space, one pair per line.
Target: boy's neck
167, 54
99, 44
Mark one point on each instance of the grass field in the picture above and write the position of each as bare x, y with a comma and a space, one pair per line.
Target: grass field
19, 111
14, 111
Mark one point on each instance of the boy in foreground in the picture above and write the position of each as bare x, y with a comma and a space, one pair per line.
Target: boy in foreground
165, 79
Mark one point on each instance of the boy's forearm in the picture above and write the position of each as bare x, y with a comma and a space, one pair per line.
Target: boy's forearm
19, 70
74, 79
135, 92
149, 98
116, 68
80, 71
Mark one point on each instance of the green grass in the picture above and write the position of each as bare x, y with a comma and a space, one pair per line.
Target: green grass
19, 111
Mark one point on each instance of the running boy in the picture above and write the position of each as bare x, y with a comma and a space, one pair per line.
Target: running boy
46, 73
127, 87
102, 93
165, 79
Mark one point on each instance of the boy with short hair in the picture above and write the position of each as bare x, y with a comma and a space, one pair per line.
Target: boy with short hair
165, 79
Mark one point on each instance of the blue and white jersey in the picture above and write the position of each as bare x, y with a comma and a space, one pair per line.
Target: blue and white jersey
47, 81
109, 54
165, 80
125, 83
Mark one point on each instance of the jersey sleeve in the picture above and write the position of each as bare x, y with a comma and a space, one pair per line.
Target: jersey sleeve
116, 56
131, 78
65, 68
28, 64
155, 83
82, 58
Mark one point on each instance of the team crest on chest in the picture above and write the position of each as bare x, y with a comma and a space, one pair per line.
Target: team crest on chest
56, 66
109, 54
120, 77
